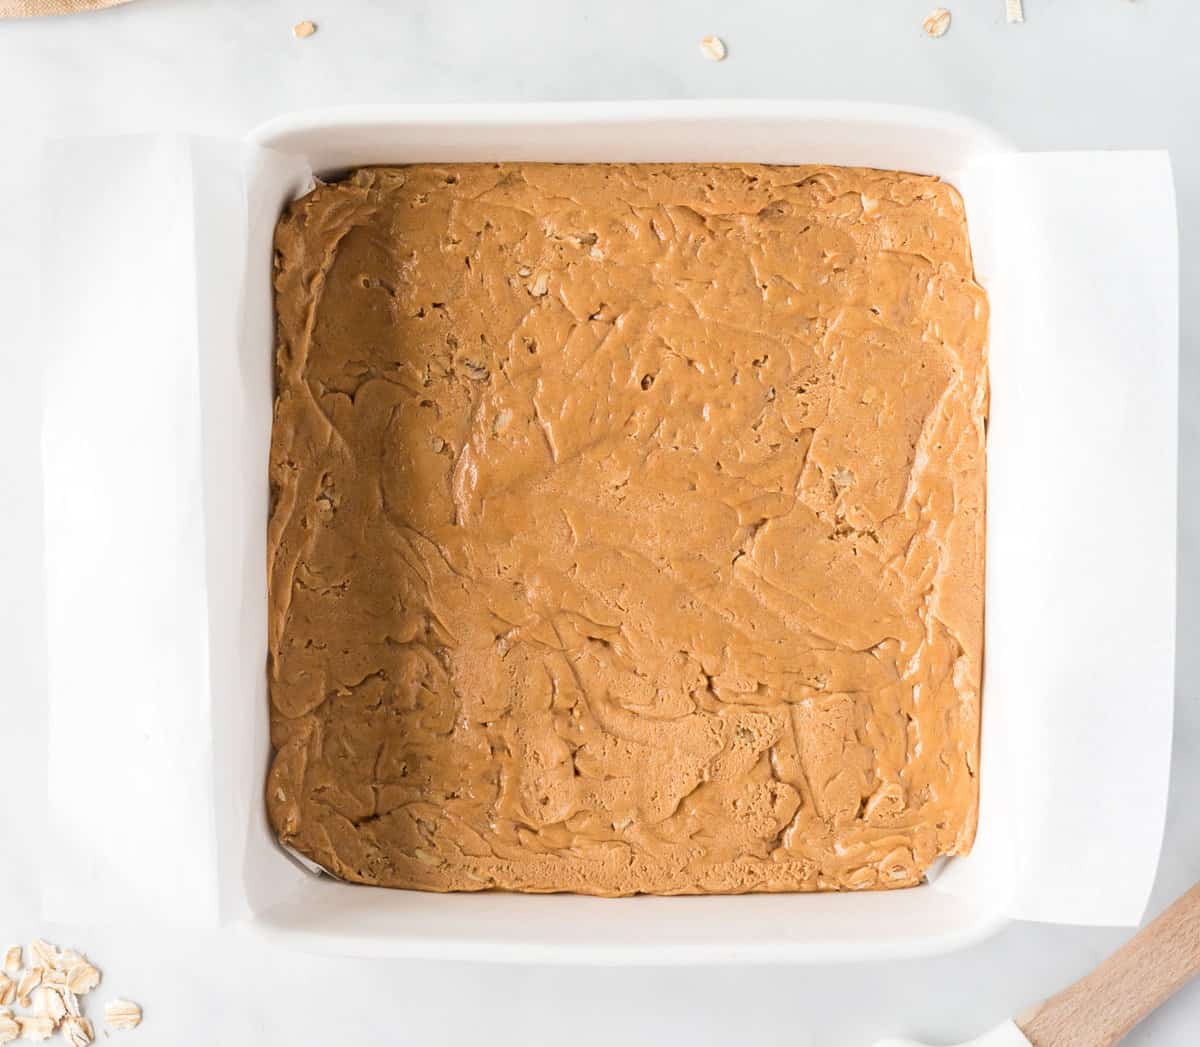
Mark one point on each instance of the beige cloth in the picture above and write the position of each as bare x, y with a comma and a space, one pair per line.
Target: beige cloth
30, 8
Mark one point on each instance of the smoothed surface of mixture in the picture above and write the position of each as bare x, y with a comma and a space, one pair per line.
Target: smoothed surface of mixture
627, 528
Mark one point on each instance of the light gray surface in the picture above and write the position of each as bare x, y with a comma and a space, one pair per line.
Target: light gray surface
1107, 73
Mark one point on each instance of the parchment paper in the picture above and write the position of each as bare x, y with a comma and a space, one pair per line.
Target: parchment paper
157, 318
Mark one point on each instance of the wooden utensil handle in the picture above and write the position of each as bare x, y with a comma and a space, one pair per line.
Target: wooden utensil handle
1102, 1007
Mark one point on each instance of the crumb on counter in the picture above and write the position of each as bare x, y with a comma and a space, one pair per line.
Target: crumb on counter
936, 22
713, 48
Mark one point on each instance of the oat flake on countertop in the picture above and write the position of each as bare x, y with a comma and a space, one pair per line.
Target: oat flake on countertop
303, 29
30, 980
82, 978
50, 1002
78, 1032
122, 1014
713, 48
936, 22
44, 954
1013, 11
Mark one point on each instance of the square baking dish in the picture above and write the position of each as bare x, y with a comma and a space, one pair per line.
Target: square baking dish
1079, 401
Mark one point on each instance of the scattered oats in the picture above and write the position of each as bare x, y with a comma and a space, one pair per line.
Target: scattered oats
280, 795
30, 980
936, 22
37, 1027
44, 954
540, 285
51, 1003
122, 1014
843, 477
524, 271
502, 421
55, 979
713, 48
78, 1031
303, 29
438, 444
1013, 11
82, 978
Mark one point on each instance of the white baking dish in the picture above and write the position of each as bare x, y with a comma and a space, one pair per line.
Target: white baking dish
1078, 688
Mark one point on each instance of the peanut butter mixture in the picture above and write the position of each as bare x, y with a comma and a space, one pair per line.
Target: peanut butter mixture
627, 528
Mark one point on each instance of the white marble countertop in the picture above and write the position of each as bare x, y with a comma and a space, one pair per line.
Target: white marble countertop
1111, 73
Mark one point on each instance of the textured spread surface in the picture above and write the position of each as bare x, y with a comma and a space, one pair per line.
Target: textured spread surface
627, 528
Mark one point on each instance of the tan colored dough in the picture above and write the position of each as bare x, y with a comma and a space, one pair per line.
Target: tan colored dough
627, 528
